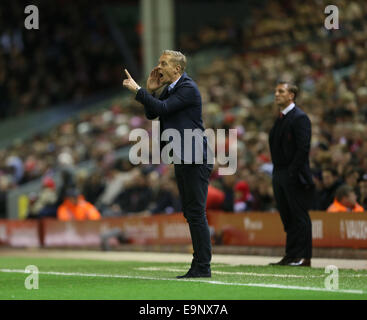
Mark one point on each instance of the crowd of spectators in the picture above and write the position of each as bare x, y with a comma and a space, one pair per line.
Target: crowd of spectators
71, 56
331, 72
225, 33
237, 92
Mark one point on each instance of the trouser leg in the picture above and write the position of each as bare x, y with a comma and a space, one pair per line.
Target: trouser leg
192, 181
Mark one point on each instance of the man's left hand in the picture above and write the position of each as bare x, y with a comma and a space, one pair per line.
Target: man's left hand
130, 83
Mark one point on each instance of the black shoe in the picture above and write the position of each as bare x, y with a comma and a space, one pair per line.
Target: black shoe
195, 274
300, 262
282, 262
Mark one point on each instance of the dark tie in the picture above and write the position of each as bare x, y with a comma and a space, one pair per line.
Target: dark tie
164, 94
281, 115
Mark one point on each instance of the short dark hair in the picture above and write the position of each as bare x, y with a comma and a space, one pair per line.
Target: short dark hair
343, 191
291, 88
72, 193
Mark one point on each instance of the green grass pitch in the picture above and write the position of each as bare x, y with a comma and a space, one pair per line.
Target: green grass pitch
73, 279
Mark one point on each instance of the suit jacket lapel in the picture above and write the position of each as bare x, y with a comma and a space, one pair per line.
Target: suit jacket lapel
164, 93
184, 75
287, 121
282, 126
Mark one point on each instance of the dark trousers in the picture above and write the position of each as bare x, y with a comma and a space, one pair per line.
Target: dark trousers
293, 202
192, 182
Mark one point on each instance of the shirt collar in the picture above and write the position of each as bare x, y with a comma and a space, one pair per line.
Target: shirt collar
289, 108
172, 85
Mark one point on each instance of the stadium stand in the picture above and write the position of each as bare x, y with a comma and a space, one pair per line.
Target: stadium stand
75, 58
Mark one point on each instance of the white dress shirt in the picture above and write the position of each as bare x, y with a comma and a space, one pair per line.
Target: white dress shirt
289, 108
172, 85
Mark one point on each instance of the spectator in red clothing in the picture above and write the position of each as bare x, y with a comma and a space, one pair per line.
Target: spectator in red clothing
45, 205
215, 198
242, 195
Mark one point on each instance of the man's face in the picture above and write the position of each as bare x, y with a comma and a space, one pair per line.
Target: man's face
350, 200
283, 97
352, 179
168, 70
73, 200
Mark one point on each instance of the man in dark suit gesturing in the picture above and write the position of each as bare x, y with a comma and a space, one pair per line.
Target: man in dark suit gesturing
289, 141
179, 107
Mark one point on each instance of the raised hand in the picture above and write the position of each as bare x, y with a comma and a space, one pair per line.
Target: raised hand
153, 82
130, 83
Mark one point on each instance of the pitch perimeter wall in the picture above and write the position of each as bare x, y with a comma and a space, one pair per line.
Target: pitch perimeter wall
329, 230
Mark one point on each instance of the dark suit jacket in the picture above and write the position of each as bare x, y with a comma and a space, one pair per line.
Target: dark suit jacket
179, 109
289, 141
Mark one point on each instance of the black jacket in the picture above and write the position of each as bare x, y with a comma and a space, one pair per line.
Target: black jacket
290, 140
179, 109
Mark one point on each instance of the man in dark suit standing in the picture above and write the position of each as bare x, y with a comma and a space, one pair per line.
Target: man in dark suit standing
179, 107
289, 141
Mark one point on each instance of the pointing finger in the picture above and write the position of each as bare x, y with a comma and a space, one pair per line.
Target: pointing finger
128, 74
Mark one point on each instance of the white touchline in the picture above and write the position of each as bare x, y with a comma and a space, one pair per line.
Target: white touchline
234, 273
262, 285
249, 273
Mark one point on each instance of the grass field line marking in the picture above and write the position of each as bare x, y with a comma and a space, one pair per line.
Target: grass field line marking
235, 273
262, 285
248, 273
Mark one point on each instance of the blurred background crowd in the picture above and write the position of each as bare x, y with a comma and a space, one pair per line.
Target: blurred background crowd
282, 40
69, 58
